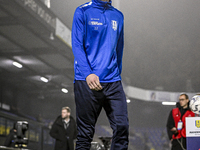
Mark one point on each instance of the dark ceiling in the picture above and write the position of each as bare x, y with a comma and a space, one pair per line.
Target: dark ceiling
25, 38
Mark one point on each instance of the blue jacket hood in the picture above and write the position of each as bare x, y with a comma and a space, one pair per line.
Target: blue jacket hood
101, 3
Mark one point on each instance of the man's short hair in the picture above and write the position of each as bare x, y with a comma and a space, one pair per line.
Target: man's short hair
66, 108
186, 96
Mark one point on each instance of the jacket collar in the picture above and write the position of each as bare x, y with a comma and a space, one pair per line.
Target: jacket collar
102, 3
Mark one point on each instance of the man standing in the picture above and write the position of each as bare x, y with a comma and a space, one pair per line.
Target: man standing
97, 44
10, 139
64, 130
176, 123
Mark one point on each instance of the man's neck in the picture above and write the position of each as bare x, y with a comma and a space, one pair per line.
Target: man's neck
66, 119
184, 107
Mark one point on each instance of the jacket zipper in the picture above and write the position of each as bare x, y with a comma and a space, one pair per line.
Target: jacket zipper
105, 23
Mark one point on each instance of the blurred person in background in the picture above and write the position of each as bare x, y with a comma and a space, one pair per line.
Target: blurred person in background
97, 44
9, 142
64, 130
176, 123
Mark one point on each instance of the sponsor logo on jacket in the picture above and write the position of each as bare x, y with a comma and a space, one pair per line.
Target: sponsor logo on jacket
95, 23
114, 25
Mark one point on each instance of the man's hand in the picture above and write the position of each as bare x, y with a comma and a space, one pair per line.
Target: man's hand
93, 82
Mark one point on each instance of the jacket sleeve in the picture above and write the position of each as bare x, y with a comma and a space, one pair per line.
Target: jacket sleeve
170, 125
78, 33
120, 47
54, 132
75, 130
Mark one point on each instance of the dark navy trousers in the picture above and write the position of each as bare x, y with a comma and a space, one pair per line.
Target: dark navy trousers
89, 104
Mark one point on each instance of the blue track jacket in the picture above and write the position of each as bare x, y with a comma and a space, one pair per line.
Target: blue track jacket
97, 41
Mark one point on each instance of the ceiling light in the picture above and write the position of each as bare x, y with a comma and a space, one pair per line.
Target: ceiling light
44, 79
128, 100
64, 90
168, 103
51, 36
18, 65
